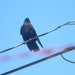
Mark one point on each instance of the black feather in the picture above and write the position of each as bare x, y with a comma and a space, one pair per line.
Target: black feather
27, 31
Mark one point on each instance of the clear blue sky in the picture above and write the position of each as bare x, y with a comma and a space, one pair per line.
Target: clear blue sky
44, 15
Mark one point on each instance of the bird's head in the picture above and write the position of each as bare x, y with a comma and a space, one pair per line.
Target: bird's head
27, 20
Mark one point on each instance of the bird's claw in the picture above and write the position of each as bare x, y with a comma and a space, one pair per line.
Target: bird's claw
30, 39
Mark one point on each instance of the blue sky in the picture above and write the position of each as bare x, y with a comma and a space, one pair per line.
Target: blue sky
44, 15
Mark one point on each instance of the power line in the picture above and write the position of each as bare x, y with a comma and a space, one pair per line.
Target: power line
67, 59
68, 23
40, 60
43, 59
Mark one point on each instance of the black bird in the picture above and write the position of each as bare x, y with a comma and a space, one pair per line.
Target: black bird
27, 31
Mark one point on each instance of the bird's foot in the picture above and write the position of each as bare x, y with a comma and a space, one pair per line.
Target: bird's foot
30, 39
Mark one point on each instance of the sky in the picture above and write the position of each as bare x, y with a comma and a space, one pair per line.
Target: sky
45, 15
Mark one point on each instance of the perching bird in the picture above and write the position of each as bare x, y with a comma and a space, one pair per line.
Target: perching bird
27, 31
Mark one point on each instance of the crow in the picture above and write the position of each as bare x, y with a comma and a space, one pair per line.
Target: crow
27, 31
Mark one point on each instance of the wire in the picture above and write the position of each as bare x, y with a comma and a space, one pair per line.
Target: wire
67, 59
43, 59
68, 23
40, 60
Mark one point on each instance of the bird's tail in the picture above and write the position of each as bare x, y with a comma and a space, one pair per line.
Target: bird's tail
40, 42
35, 50
33, 46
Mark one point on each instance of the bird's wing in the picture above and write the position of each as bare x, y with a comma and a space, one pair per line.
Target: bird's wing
40, 42
33, 30
21, 30
34, 33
